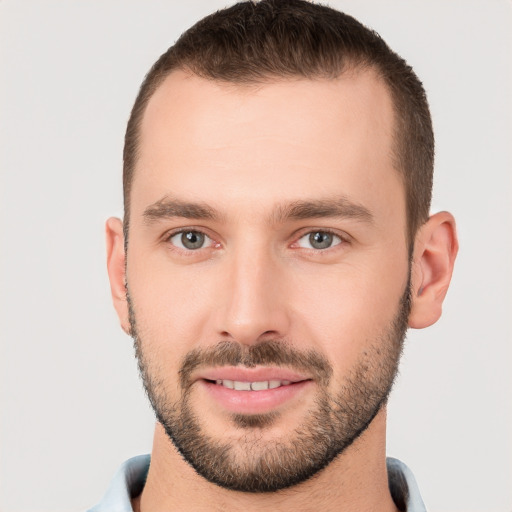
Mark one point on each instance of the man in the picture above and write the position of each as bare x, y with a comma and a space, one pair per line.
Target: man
275, 247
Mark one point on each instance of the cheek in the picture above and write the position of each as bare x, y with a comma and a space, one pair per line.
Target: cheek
170, 307
345, 311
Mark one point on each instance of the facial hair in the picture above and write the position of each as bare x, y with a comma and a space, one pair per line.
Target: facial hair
333, 423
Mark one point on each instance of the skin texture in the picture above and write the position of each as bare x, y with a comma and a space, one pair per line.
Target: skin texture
244, 158
252, 460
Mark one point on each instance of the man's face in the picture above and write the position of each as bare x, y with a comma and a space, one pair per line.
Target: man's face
267, 271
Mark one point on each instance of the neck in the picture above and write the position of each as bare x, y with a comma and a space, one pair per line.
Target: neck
355, 481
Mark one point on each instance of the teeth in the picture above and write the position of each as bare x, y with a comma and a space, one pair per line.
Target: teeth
252, 386
228, 384
259, 386
242, 386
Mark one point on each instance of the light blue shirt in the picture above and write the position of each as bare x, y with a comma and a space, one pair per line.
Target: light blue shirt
131, 477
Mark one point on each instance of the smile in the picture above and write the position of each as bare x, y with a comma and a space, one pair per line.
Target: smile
253, 391
238, 385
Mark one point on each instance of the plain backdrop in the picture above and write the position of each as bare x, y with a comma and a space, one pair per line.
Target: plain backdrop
71, 405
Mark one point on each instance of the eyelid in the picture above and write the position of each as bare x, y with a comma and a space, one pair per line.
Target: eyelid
166, 238
344, 237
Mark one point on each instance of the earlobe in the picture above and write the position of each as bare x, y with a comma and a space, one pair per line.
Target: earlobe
116, 269
435, 249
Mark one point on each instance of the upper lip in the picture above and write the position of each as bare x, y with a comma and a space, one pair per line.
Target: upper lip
243, 374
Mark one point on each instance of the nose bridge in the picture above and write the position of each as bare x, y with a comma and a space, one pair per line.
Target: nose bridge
253, 305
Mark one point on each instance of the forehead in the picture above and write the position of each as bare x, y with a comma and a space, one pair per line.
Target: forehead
273, 142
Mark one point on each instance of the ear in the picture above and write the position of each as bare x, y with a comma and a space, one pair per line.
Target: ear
116, 269
435, 249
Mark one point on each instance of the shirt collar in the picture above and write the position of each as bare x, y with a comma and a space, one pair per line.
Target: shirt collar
403, 487
127, 483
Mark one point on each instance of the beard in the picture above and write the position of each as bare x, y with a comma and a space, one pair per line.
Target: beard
251, 463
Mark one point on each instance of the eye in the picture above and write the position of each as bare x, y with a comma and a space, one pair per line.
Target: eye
190, 240
319, 240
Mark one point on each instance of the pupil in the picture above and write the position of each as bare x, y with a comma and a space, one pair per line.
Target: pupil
192, 240
320, 240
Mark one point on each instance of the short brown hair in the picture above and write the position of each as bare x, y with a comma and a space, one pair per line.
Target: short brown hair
255, 42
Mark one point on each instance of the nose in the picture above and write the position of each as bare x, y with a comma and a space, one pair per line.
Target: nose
253, 305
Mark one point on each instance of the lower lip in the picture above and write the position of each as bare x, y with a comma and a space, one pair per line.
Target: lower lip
254, 402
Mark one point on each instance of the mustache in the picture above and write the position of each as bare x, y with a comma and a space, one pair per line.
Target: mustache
266, 353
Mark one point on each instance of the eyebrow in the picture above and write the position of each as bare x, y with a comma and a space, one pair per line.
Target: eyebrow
167, 208
340, 207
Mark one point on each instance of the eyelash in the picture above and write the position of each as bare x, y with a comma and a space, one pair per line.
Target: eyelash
343, 239
168, 237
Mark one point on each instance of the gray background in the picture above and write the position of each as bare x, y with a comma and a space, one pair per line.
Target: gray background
71, 405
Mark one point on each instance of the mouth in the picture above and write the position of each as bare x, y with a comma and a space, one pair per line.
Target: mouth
252, 390
262, 385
